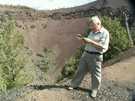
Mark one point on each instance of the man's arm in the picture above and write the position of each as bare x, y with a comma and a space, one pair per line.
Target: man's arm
93, 43
85, 40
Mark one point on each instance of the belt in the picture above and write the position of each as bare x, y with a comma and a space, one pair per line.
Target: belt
97, 53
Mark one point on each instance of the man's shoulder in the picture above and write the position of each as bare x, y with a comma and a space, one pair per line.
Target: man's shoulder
105, 31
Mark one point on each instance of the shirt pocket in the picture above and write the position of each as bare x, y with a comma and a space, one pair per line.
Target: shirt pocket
97, 38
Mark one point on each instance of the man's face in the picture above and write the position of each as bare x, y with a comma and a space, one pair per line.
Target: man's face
94, 26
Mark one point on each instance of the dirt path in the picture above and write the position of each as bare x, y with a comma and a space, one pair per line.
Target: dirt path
118, 85
47, 95
123, 71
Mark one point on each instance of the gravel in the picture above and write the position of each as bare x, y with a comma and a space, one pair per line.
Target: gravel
110, 91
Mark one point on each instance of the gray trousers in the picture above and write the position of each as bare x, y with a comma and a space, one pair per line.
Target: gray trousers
89, 63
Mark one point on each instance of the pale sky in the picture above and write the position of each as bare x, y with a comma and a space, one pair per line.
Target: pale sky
46, 4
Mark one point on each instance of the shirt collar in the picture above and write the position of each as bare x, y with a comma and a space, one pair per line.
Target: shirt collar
100, 31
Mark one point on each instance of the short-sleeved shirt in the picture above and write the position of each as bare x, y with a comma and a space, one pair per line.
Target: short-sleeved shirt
101, 37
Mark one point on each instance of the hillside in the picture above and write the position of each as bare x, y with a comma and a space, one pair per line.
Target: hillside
56, 29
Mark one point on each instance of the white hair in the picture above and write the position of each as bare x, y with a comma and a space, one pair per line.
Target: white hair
95, 19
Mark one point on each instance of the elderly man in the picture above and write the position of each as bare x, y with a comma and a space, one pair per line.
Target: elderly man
96, 44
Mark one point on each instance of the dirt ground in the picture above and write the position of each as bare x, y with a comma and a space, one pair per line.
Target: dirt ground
123, 71
118, 84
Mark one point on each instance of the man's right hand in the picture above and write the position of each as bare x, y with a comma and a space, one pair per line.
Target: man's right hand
79, 37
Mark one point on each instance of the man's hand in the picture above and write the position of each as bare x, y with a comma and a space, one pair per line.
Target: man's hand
79, 37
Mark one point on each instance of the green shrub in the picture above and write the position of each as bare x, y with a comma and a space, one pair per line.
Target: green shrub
16, 67
119, 40
132, 31
71, 65
45, 62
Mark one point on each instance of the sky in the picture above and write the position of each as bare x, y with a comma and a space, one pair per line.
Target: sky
46, 4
